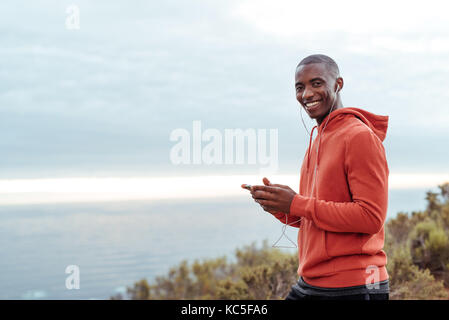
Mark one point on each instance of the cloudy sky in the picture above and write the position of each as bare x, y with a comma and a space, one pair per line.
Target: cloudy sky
102, 100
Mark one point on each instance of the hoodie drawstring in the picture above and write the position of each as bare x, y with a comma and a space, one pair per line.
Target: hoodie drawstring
310, 145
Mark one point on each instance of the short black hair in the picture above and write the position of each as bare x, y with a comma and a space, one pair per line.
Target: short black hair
321, 58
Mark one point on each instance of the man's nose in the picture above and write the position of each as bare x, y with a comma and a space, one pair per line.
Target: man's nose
307, 94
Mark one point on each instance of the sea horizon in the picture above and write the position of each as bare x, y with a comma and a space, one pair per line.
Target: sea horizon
115, 244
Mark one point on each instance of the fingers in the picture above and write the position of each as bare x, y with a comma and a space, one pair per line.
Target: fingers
267, 205
263, 195
280, 186
264, 188
268, 209
266, 182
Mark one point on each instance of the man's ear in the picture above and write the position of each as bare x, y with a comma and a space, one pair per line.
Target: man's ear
340, 83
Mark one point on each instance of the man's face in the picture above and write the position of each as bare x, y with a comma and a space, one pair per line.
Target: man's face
315, 89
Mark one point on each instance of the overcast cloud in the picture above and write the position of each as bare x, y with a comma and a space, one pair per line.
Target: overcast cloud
103, 100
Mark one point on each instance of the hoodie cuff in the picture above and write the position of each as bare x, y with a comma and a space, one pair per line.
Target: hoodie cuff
302, 206
279, 214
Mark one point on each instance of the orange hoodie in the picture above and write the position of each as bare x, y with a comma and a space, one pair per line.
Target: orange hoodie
341, 233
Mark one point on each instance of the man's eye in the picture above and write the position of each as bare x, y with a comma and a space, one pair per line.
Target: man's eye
298, 88
317, 83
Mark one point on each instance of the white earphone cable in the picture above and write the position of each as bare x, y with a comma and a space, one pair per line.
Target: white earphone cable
284, 227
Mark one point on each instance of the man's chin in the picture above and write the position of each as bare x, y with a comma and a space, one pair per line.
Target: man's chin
318, 113
315, 114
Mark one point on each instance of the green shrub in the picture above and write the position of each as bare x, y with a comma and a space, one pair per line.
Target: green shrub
417, 248
258, 273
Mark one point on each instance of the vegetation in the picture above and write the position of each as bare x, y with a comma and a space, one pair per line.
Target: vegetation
417, 247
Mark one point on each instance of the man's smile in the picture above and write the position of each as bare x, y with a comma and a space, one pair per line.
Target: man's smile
312, 105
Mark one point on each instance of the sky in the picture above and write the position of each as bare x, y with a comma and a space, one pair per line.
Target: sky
101, 101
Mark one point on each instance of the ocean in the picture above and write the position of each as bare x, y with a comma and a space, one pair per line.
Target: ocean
114, 244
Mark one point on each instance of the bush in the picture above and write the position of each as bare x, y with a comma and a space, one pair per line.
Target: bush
407, 281
258, 273
417, 248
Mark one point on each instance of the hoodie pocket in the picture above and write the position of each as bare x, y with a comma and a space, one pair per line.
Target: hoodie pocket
313, 258
343, 243
313, 243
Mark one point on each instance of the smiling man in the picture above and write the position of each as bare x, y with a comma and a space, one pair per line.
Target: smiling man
341, 206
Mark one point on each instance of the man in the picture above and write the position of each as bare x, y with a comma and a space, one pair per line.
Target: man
341, 206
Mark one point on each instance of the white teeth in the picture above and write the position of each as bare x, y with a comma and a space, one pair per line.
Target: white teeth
312, 104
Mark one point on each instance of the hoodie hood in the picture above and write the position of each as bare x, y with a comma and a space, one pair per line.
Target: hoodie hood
377, 123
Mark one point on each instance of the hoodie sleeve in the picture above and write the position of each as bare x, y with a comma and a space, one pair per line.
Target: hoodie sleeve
282, 217
367, 177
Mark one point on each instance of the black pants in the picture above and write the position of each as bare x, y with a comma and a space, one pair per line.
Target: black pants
294, 295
